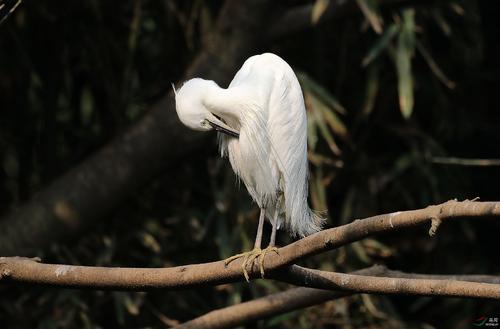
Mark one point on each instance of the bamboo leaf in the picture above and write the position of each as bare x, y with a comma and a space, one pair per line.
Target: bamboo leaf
381, 44
370, 11
336, 125
321, 190
313, 190
320, 92
435, 67
441, 22
404, 53
312, 131
372, 86
323, 128
318, 10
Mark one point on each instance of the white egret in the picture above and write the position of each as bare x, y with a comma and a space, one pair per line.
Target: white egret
262, 125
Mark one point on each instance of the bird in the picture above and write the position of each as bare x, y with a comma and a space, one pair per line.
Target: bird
261, 123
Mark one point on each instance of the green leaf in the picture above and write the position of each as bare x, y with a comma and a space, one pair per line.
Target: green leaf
150, 242
312, 133
404, 53
334, 122
434, 66
321, 190
130, 305
441, 22
372, 86
318, 109
370, 11
320, 92
381, 44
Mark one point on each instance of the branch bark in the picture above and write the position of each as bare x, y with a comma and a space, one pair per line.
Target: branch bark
269, 306
27, 271
402, 285
299, 298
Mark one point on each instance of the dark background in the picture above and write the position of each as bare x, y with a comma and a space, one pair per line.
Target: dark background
76, 75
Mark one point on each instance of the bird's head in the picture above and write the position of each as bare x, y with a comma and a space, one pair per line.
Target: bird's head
191, 108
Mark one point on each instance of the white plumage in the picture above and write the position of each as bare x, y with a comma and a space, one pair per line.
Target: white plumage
264, 106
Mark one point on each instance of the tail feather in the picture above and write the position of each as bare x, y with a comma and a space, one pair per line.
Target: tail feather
312, 223
305, 221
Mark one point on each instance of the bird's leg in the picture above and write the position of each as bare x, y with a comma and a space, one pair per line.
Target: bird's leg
272, 241
260, 228
250, 256
256, 252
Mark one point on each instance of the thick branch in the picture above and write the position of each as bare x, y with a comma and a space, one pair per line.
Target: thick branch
26, 271
299, 298
359, 229
269, 306
402, 285
262, 308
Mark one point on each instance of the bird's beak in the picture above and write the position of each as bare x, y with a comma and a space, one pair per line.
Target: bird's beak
220, 126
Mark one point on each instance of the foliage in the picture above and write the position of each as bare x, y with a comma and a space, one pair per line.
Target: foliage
387, 90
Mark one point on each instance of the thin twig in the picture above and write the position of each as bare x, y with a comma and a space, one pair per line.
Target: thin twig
466, 161
11, 10
434, 66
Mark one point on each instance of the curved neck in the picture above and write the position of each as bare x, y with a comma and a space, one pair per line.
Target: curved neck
225, 103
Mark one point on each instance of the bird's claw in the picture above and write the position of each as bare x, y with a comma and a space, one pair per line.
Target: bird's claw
235, 257
250, 257
263, 255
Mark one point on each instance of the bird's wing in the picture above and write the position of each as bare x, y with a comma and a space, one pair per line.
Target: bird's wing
287, 124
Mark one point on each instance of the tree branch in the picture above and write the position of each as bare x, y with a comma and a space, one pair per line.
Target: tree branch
299, 298
269, 306
359, 229
407, 284
27, 271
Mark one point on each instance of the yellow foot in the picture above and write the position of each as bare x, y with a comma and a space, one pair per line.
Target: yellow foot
249, 257
263, 255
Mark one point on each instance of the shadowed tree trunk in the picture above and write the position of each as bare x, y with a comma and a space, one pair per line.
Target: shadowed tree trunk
89, 191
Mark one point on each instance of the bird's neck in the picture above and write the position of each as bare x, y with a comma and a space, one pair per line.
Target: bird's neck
225, 103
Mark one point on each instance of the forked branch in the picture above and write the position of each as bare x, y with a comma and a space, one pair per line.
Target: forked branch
20, 270
299, 298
